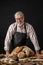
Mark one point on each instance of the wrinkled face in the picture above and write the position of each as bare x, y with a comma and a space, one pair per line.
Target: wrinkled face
19, 19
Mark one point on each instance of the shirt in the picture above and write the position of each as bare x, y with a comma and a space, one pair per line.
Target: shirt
30, 33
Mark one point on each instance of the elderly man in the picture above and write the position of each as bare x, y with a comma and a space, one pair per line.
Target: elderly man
20, 30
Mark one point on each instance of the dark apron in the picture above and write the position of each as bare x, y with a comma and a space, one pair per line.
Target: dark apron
19, 39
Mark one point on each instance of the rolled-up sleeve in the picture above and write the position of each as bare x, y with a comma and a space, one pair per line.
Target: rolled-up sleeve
33, 38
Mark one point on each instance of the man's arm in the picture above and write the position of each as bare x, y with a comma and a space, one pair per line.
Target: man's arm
8, 39
34, 40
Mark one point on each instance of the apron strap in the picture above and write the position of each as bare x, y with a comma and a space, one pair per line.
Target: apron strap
24, 27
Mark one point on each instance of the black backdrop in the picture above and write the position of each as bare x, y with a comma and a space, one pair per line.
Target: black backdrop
33, 11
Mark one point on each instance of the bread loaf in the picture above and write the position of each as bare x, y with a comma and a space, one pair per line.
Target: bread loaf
21, 55
28, 51
16, 51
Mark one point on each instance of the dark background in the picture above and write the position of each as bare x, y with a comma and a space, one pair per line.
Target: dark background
33, 11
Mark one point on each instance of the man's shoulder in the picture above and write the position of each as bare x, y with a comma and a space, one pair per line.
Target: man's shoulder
28, 24
12, 25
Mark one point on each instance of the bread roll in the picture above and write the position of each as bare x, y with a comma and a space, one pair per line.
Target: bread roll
21, 55
28, 51
41, 51
18, 49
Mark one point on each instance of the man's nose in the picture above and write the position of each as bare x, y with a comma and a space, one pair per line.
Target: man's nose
19, 19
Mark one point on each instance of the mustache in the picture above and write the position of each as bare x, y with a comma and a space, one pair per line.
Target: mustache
19, 22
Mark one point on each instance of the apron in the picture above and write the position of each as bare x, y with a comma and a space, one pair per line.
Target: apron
19, 39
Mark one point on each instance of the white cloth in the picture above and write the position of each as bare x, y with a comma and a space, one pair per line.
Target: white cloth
30, 33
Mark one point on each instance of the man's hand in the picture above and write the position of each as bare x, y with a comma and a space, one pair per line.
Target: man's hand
37, 54
7, 54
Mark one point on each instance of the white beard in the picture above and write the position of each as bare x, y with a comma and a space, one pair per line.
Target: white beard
20, 24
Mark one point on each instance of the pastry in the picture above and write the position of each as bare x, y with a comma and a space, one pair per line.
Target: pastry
21, 55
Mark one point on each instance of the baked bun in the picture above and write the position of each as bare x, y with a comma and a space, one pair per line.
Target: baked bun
28, 51
21, 55
41, 51
18, 49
